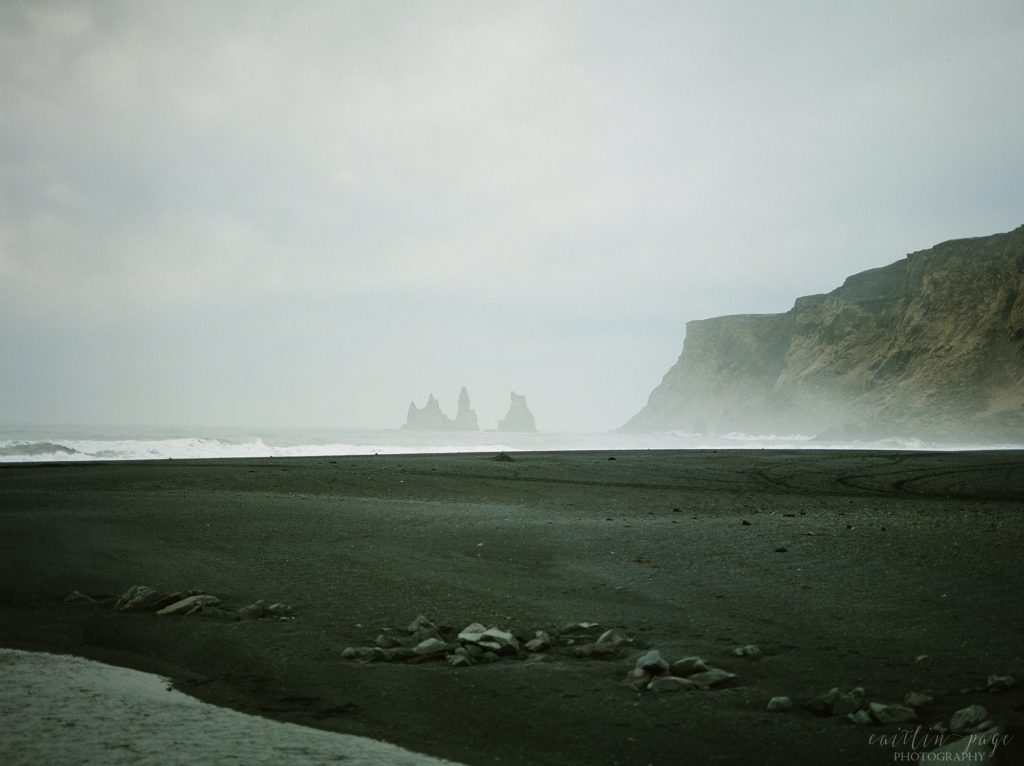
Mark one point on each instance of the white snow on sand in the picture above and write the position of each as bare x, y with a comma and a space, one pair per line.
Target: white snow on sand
57, 710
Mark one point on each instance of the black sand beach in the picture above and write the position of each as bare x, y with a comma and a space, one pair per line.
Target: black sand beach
852, 566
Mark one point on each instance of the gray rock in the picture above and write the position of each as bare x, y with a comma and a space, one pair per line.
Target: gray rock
594, 650
280, 609
138, 598
994, 683
457, 660
500, 641
848, 703
671, 684
424, 633
360, 653
537, 644
472, 633
967, 718
189, 603
78, 596
419, 623
891, 713
861, 718
613, 636
780, 704
918, 699
652, 662
580, 628
384, 641
687, 666
252, 611
637, 678
712, 678
430, 647
822, 705
750, 650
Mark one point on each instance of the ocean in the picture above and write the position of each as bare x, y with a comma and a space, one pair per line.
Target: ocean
52, 443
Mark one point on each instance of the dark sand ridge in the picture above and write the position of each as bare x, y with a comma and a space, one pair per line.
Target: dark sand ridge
888, 556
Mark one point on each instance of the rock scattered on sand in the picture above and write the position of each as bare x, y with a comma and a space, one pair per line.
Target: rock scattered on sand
142, 598
189, 603
139, 598
833, 702
1000, 683
499, 641
779, 705
613, 637
637, 678
750, 650
253, 611
477, 643
77, 596
540, 641
886, 714
472, 633
861, 718
671, 684
918, 699
967, 719
652, 662
687, 666
850, 702
712, 678
430, 646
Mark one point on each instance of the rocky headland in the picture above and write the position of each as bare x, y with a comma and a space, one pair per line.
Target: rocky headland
931, 346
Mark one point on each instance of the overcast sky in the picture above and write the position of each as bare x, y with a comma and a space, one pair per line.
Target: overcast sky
302, 213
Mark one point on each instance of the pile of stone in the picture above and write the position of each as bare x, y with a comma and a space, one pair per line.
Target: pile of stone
855, 706
654, 673
142, 598
424, 641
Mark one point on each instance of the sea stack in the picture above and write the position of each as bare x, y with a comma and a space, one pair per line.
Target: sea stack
519, 417
465, 418
431, 418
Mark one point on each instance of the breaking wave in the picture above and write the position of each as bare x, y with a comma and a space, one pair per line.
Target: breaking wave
69, 444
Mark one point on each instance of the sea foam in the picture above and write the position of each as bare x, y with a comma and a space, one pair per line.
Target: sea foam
69, 443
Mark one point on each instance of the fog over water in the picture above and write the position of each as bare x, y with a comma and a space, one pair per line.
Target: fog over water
306, 214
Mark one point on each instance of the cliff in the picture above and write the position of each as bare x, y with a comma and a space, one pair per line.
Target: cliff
929, 346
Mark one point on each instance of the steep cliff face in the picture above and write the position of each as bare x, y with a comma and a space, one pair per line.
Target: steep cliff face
932, 345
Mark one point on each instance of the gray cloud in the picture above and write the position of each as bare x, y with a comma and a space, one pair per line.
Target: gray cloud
313, 212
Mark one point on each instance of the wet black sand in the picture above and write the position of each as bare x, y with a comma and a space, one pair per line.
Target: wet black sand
888, 556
